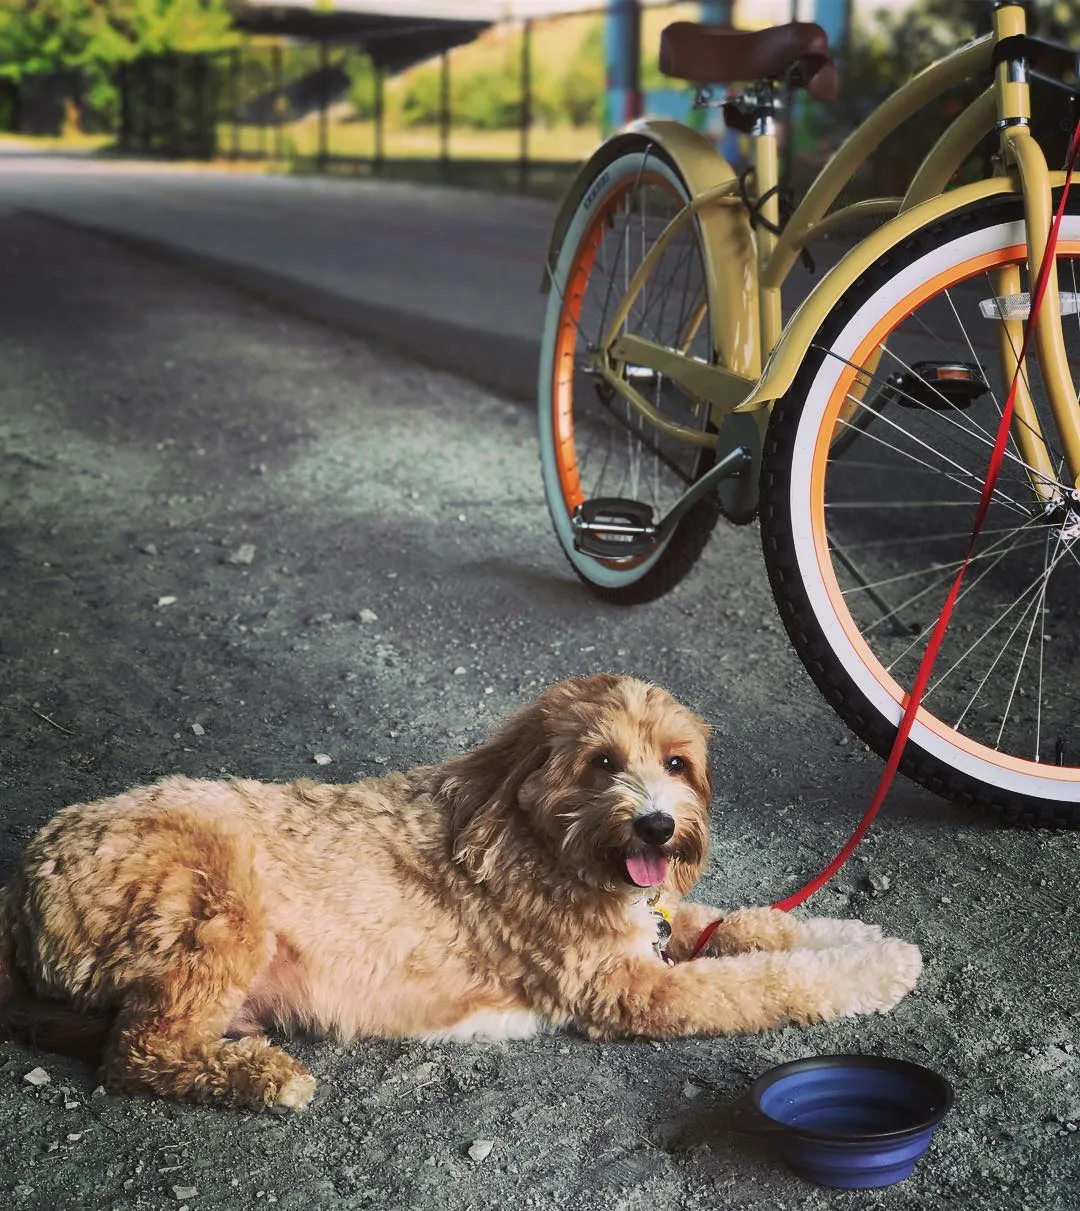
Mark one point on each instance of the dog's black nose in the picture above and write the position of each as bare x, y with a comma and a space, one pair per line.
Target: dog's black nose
655, 828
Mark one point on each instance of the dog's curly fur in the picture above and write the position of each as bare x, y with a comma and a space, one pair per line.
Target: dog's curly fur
499, 892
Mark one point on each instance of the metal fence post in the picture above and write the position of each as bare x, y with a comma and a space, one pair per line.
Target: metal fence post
125, 107
444, 110
380, 116
173, 93
324, 91
279, 103
234, 102
526, 102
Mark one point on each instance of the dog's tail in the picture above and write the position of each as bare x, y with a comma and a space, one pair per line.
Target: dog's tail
46, 1025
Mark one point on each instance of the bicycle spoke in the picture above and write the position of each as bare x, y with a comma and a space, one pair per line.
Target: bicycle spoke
1036, 612
974, 487
880, 416
981, 435
938, 582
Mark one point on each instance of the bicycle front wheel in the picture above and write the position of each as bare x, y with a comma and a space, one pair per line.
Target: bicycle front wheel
594, 445
873, 467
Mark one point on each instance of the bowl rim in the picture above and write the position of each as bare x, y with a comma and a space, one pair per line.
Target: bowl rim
884, 1063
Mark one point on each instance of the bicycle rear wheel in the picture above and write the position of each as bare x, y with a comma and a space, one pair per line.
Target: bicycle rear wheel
594, 445
863, 536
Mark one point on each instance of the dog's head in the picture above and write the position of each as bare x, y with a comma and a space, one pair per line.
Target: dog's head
609, 774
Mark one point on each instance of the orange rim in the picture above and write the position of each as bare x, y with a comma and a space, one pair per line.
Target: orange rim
819, 468
562, 388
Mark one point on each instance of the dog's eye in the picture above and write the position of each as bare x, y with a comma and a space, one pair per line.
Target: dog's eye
674, 765
604, 762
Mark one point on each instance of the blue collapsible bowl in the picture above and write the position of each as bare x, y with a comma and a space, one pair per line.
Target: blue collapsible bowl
853, 1121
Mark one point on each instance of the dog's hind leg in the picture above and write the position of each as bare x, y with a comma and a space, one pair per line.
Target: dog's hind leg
149, 1054
195, 943
168, 1039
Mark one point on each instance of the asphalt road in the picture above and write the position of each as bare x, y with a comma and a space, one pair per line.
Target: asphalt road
232, 538
447, 276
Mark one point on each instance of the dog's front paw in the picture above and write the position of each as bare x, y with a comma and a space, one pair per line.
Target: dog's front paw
827, 933
841, 983
883, 973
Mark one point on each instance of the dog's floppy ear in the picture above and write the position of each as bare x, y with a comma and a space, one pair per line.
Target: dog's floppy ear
481, 788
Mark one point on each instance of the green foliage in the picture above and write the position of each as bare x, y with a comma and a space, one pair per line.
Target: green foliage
362, 87
489, 96
490, 99
580, 93
53, 35
44, 37
420, 102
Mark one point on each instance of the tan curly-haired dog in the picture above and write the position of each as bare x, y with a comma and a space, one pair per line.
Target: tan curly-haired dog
505, 890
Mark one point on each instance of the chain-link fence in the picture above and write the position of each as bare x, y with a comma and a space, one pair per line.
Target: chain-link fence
522, 103
520, 106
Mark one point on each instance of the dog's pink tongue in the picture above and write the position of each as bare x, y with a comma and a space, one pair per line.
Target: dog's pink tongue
647, 870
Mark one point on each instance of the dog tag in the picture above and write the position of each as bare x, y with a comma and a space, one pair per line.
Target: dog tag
663, 933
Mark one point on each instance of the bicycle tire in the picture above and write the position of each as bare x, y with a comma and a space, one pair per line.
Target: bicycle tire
994, 732
571, 407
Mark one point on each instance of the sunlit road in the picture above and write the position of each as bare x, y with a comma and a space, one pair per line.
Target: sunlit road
447, 275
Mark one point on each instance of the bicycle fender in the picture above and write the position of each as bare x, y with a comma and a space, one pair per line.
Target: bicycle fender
690, 152
784, 361
727, 240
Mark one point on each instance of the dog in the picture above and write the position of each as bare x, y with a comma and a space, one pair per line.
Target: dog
533, 883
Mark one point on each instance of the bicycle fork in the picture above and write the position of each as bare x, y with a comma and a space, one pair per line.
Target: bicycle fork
1022, 152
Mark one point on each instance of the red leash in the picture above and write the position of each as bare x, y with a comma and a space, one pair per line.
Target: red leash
926, 665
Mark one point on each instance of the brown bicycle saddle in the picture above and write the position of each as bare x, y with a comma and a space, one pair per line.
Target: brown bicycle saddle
718, 54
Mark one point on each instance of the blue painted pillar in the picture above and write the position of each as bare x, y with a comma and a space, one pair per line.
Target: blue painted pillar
834, 17
622, 55
716, 12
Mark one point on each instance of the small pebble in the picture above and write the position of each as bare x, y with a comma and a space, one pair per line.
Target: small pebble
480, 1150
322, 758
367, 615
37, 1076
459, 671
198, 729
183, 1192
166, 601
244, 553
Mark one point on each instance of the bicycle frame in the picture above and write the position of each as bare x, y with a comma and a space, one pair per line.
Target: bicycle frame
744, 270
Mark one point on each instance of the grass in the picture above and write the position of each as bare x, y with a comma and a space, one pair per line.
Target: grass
73, 141
356, 140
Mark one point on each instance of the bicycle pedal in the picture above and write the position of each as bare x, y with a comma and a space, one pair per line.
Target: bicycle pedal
941, 386
611, 527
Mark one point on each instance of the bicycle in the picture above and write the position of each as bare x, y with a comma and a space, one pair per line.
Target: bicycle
858, 433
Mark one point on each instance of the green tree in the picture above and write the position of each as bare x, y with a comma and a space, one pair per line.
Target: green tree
580, 92
421, 97
38, 36
490, 99
46, 36
362, 85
